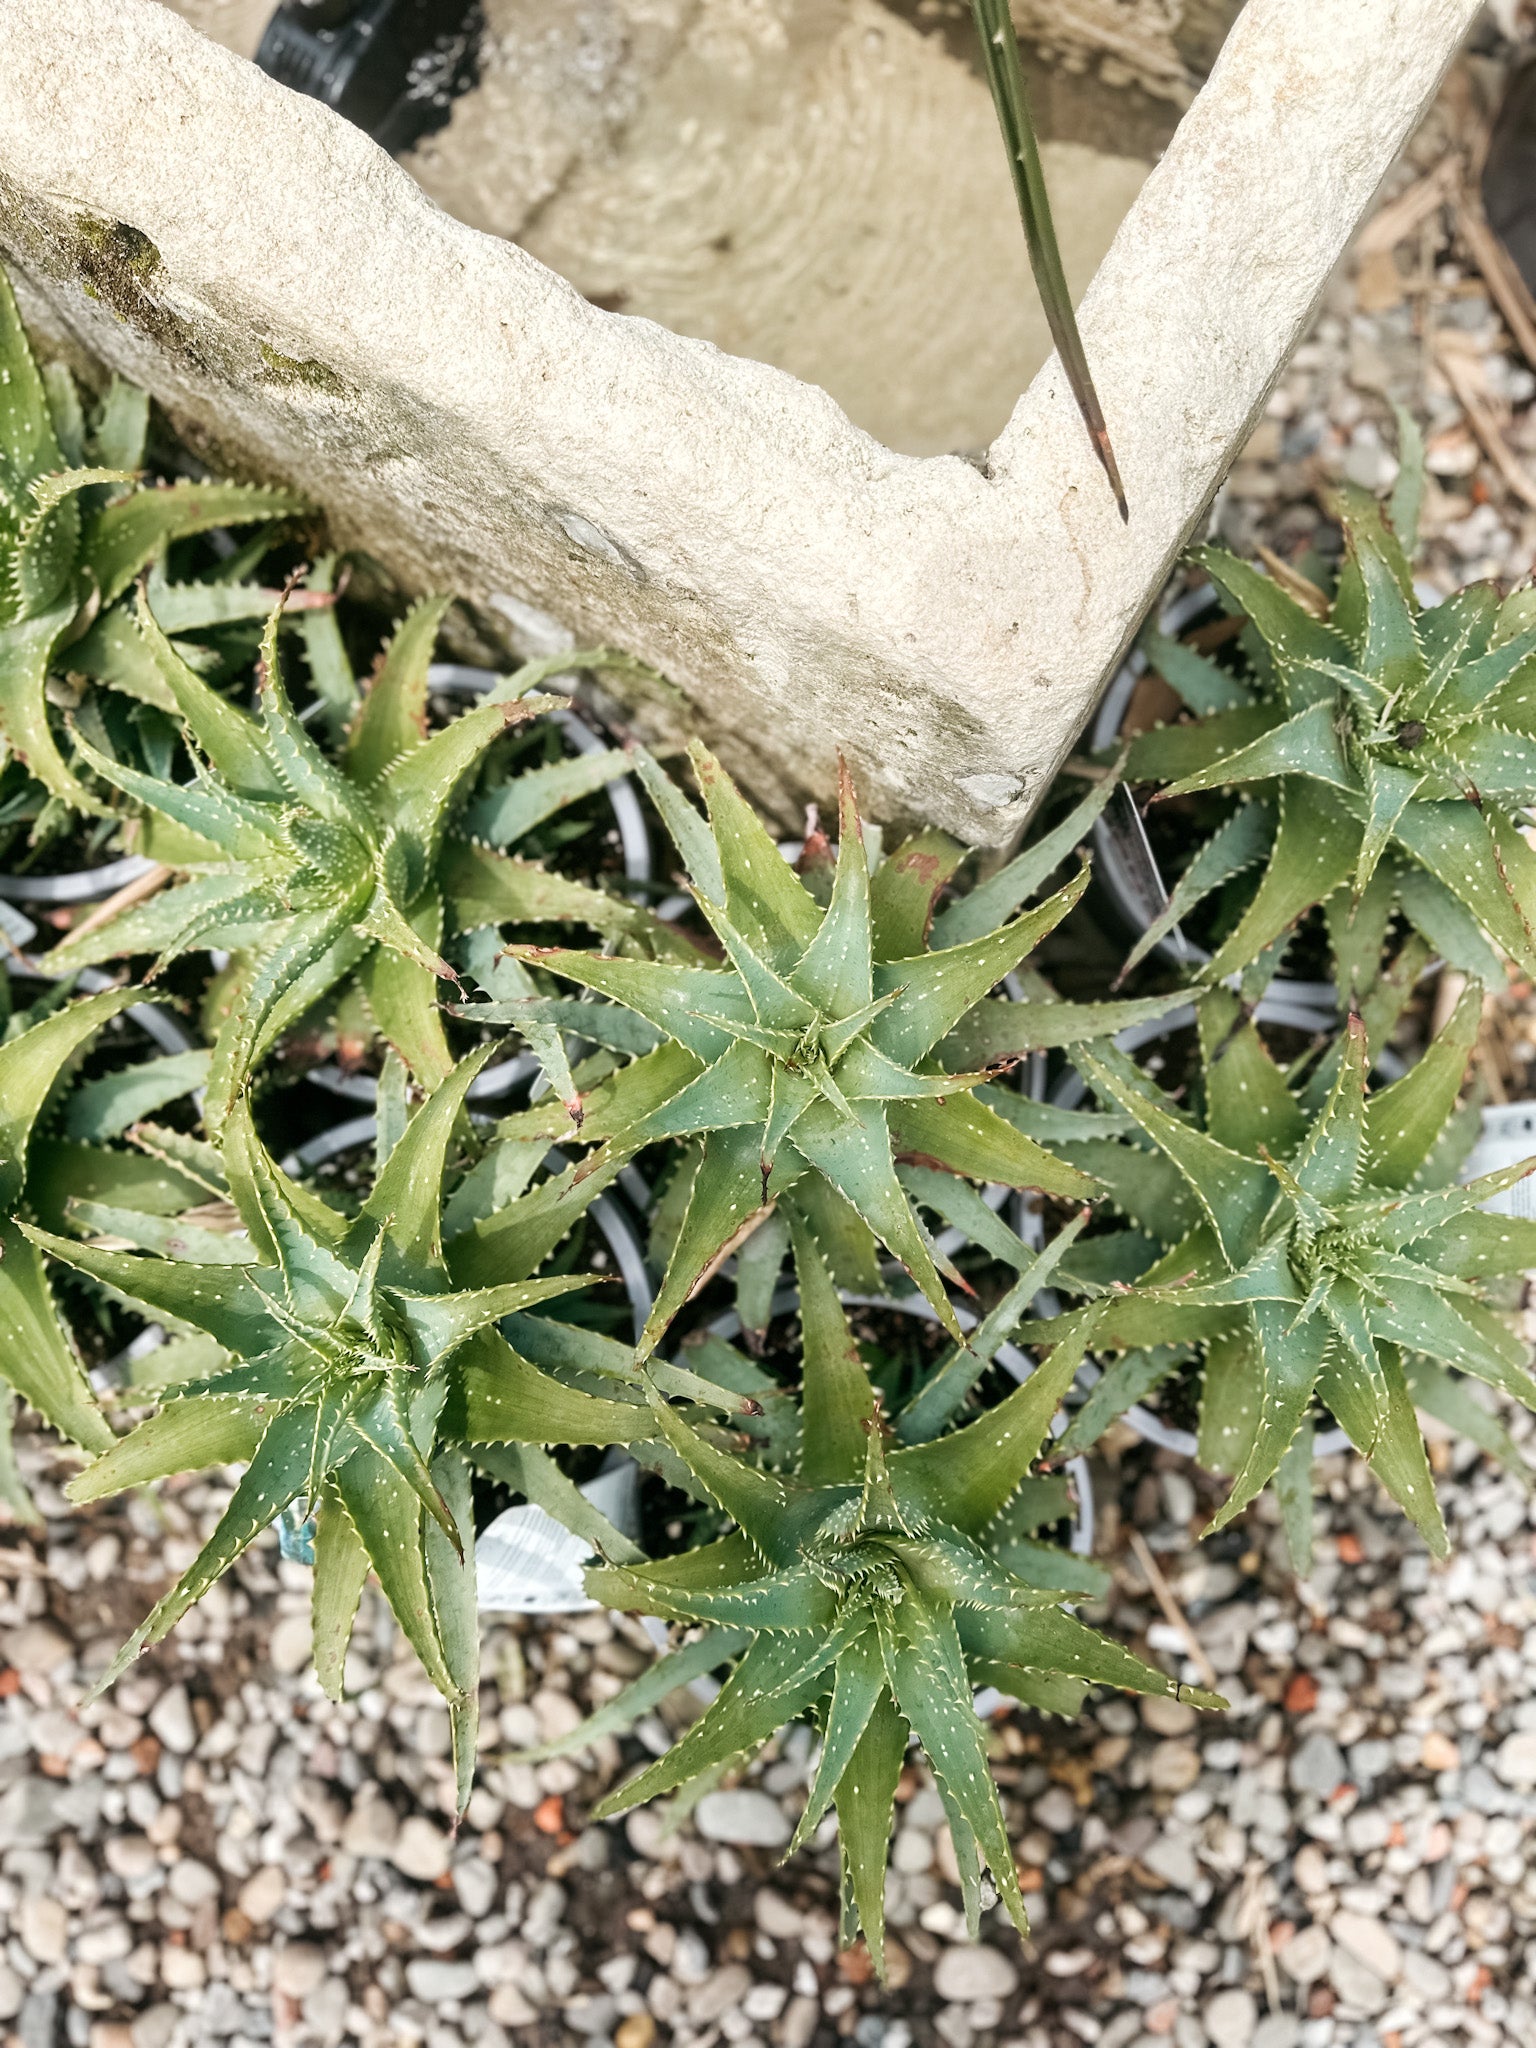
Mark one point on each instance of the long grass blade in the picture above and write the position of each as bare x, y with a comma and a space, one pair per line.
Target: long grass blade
1005, 75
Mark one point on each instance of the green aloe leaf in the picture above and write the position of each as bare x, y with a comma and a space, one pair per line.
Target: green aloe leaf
278, 1472
388, 1516
778, 1678
906, 887
1128, 1380
675, 1668
837, 1401
341, 1572
866, 1805
1235, 1193
393, 718
132, 531
969, 1477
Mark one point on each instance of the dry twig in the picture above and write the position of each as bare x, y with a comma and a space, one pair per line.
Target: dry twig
1473, 398
1400, 216
141, 887
1173, 1613
1510, 292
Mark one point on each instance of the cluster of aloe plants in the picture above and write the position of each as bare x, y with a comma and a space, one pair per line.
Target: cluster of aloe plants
816, 1063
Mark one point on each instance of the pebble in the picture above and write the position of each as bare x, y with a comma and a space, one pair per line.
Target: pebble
1369, 1942
42, 1925
298, 1968
290, 1644
372, 1828
1277, 2030
1439, 1753
721, 1992
435, 1981
476, 1885
1356, 1985
1317, 1766
971, 1974
37, 1648
1166, 1716
1230, 2018
1514, 1761
170, 1718
261, 1894
743, 1816
1306, 1956
420, 1850
1174, 1766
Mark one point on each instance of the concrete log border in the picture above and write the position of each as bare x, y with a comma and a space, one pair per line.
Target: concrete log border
302, 310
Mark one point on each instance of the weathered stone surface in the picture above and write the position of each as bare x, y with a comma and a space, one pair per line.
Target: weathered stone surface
739, 170
293, 300
1158, 42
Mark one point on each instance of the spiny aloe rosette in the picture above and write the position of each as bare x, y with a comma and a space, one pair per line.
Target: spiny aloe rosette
76, 529
1321, 1259
316, 872
357, 1359
1385, 753
818, 1054
875, 1586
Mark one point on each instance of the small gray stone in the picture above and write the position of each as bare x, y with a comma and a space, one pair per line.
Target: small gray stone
30, 1812
1356, 1985
970, 1974
1174, 1767
171, 1719
35, 1648
1277, 2030
262, 1893
721, 1992
192, 1883
743, 1816
1424, 1980
777, 1918
1306, 1956
154, 2027
1166, 1716
298, 1968
1230, 2018
433, 1980
43, 1926
476, 1885
289, 1644
798, 2026
1370, 1942
1514, 1760
372, 1827
38, 2021
1057, 1811
1318, 1766
1172, 1858
420, 1850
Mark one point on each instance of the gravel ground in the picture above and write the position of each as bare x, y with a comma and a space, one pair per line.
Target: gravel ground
216, 1853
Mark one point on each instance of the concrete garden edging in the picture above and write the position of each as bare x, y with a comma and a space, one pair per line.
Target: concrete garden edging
296, 304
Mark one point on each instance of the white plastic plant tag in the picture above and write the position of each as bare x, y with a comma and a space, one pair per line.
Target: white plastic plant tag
1509, 1135
527, 1563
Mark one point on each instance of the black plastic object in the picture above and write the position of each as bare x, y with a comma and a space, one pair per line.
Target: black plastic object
392, 67
1509, 173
